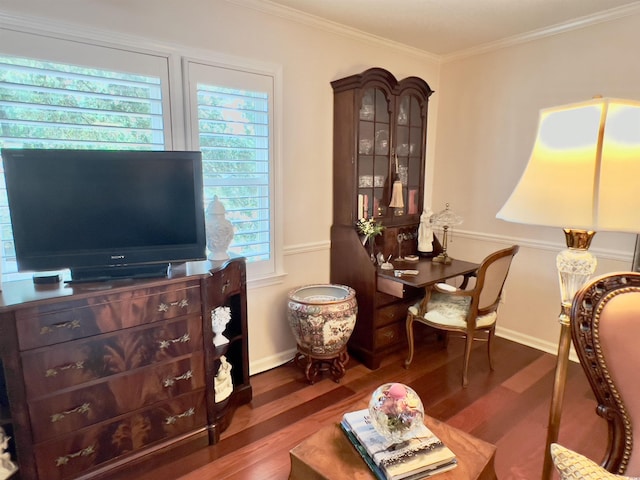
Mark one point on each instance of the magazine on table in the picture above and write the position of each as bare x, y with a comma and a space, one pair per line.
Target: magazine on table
419, 457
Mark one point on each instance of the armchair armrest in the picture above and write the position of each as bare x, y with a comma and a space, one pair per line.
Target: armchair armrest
450, 290
446, 287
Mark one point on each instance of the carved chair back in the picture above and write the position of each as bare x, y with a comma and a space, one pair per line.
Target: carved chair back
605, 328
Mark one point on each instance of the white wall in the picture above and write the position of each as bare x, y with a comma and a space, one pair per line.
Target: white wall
487, 121
311, 57
485, 108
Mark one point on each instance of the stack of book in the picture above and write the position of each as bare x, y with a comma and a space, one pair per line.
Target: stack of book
420, 457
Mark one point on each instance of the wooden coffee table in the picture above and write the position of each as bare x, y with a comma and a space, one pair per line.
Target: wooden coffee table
329, 455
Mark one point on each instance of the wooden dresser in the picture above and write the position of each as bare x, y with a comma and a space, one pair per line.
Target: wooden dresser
98, 377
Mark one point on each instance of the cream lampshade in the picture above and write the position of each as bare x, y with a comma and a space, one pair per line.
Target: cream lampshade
584, 169
583, 175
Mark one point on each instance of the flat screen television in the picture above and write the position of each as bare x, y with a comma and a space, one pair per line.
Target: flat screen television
105, 214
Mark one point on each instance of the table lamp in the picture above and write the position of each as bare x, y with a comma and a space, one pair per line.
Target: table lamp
582, 176
445, 219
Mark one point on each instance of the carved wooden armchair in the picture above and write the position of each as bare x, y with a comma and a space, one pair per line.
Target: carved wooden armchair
465, 311
605, 323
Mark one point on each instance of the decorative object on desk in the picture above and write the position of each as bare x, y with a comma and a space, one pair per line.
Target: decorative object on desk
322, 318
219, 230
425, 232
384, 262
401, 237
369, 229
582, 177
220, 316
222, 383
401, 273
445, 219
418, 456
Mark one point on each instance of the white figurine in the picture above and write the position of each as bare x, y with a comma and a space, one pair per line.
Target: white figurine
223, 386
220, 316
7, 467
219, 230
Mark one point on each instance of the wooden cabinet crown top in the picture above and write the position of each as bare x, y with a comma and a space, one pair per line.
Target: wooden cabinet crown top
383, 77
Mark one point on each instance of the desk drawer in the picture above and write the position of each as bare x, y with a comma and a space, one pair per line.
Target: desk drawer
396, 312
398, 289
389, 335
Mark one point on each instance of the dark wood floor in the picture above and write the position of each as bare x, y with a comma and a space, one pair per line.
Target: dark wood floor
508, 407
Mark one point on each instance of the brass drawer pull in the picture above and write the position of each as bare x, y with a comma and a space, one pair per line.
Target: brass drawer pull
169, 382
52, 372
84, 408
166, 343
174, 418
85, 452
226, 285
50, 328
164, 307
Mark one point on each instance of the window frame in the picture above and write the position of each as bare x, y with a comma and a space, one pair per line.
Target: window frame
190, 66
175, 112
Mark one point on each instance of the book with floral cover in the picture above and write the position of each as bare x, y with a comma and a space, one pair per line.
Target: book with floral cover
419, 457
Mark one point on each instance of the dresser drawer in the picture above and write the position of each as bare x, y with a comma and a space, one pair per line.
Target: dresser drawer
229, 281
64, 321
77, 453
74, 363
71, 410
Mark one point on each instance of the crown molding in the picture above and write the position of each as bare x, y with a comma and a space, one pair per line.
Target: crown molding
575, 24
271, 8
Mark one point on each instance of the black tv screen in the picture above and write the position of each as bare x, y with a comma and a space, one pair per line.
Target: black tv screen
105, 213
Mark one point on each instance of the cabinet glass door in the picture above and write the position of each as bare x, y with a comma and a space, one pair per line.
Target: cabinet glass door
409, 142
373, 153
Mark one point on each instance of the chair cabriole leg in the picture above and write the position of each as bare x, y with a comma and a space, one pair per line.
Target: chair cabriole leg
467, 355
492, 333
409, 326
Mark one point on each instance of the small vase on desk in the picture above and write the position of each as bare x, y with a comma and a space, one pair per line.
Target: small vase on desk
219, 231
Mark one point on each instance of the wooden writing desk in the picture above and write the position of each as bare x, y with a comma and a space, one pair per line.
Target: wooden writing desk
329, 455
429, 273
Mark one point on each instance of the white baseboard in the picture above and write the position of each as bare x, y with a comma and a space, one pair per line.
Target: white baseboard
533, 342
273, 361
283, 357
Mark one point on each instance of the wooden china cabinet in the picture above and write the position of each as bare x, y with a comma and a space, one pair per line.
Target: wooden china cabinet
380, 135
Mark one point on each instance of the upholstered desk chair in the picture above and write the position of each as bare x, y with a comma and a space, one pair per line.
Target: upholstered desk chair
467, 312
605, 328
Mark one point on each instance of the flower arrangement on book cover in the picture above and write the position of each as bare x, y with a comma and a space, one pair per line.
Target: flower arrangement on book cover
396, 411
